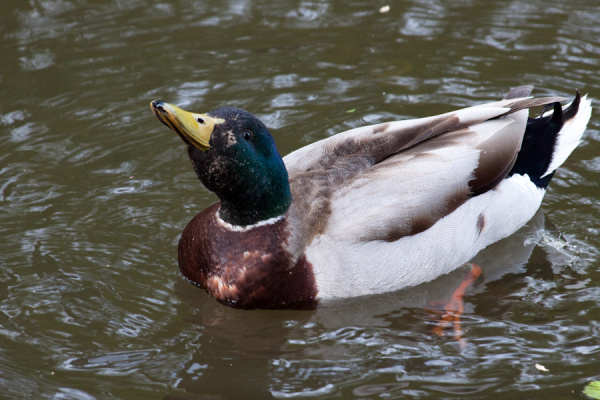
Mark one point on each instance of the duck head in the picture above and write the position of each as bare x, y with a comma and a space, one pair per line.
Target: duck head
234, 156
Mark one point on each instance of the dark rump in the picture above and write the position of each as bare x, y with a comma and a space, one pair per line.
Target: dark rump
539, 143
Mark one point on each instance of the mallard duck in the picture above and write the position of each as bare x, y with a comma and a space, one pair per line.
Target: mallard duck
371, 210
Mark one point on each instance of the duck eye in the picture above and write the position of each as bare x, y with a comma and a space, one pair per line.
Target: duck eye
247, 135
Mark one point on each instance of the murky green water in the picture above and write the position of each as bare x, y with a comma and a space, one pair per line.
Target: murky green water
94, 193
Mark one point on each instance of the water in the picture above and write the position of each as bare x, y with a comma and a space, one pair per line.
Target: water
94, 193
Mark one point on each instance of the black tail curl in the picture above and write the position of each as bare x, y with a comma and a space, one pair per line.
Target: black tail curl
540, 140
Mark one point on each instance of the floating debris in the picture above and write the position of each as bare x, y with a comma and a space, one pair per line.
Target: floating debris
540, 367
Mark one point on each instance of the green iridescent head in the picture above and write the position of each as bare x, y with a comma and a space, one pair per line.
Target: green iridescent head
234, 155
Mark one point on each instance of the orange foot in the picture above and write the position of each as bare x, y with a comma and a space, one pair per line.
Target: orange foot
453, 309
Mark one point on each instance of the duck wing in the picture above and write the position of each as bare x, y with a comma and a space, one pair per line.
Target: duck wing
386, 181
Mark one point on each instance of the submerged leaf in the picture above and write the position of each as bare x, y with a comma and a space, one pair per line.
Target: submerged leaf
592, 390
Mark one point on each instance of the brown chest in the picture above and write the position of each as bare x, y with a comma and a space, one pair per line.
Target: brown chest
246, 268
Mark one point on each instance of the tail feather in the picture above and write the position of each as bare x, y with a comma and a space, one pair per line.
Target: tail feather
550, 139
576, 117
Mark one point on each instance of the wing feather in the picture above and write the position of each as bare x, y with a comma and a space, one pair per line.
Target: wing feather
382, 140
410, 191
386, 181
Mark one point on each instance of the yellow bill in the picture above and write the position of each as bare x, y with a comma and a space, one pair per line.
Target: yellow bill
193, 128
